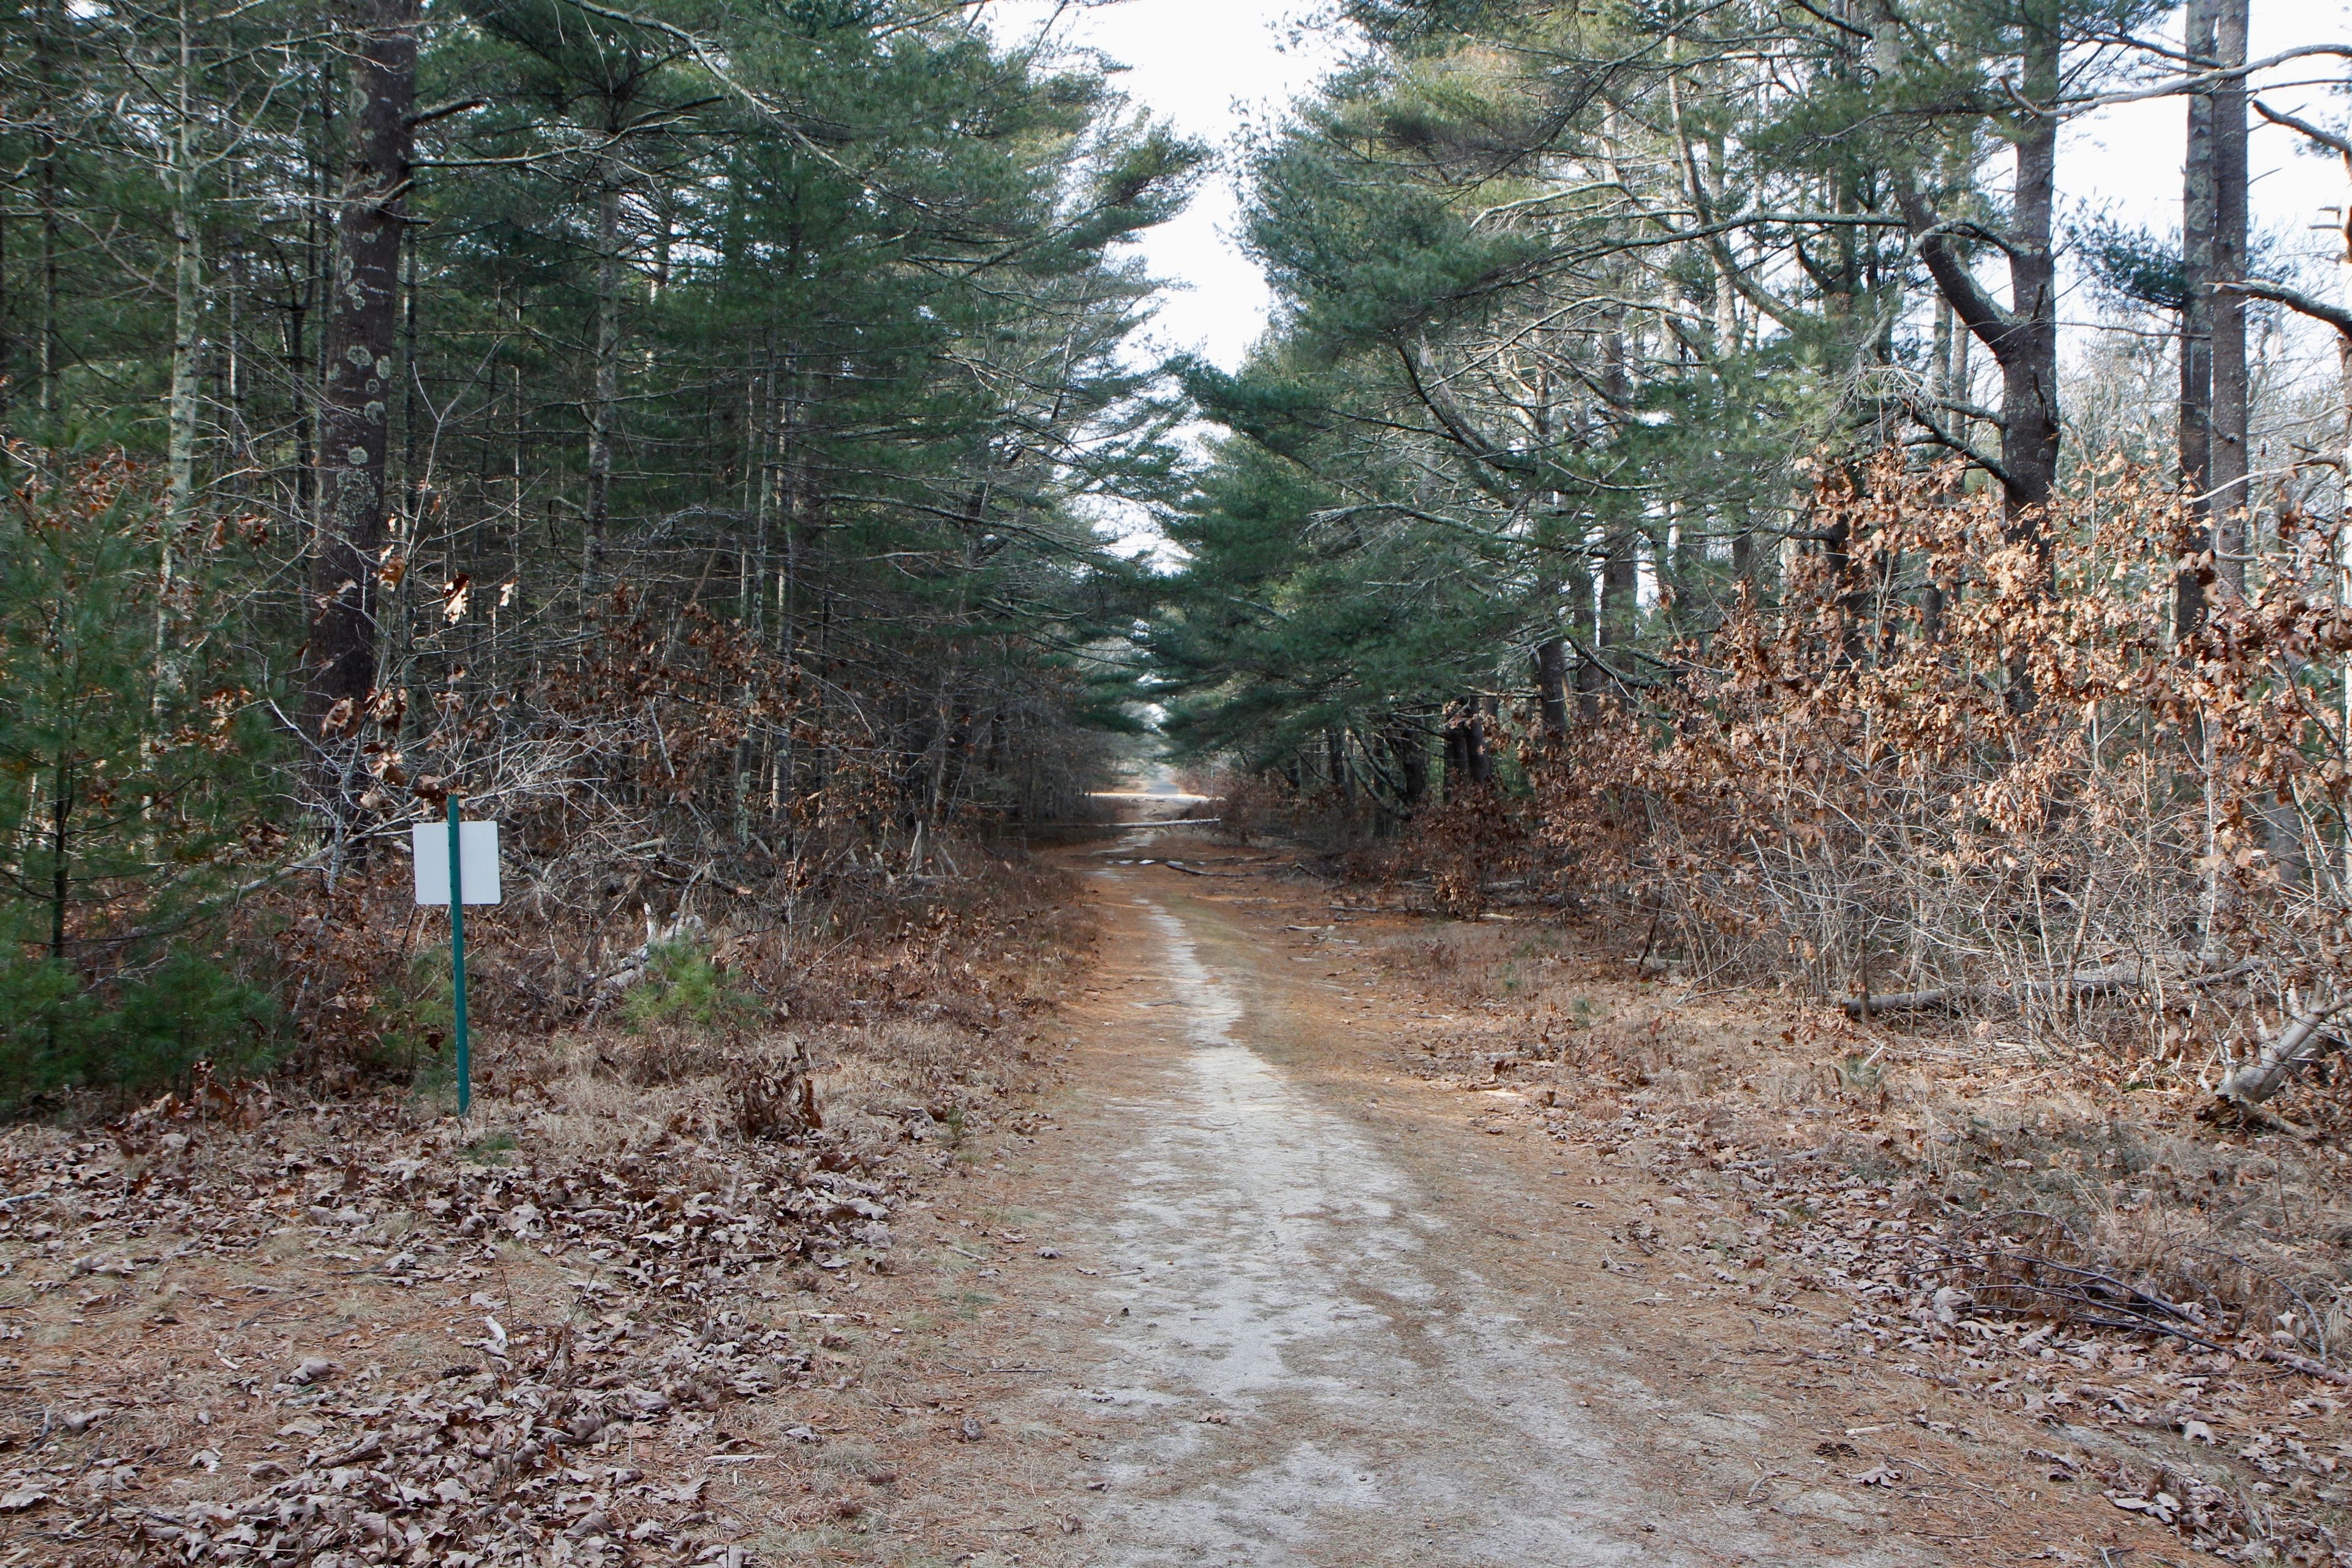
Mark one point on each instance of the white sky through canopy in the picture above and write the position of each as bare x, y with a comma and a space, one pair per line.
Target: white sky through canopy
1211, 66
1214, 67
1207, 66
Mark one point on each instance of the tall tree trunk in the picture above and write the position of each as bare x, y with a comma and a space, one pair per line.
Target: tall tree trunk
2197, 273
309, 381
1939, 359
1620, 581
45, 51
412, 476
1411, 753
360, 333
1726, 333
187, 284
2023, 336
2344, 547
1681, 563
2229, 456
8, 376
605, 378
2197, 324
1467, 760
187, 345
1620, 576
2029, 431
932, 814
1585, 621
1551, 686
61, 868
235, 372
1944, 390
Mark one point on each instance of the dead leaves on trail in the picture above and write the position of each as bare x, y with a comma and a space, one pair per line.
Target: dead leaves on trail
343, 1335
602, 1322
478, 1468
1889, 1214
1928, 1290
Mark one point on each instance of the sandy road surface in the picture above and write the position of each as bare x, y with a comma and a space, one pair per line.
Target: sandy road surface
1302, 1363
1244, 1324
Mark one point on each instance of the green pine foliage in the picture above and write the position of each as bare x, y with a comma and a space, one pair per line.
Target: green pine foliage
128, 772
773, 354
685, 987
1568, 297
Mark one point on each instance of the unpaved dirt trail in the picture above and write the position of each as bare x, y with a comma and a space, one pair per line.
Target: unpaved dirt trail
1240, 1320
1307, 1369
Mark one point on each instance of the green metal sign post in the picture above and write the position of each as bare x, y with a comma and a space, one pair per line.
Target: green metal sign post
457, 867
457, 962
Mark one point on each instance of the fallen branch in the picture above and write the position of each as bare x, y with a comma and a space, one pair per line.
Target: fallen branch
2199, 982
2306, 1365
637, 962
1943, 998
2101, 982
2104, 1299
2296, 1044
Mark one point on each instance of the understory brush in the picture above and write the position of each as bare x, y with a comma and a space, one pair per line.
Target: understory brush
683, 988
134, 1036
979, 952
696, 837
1938, 778
130, 782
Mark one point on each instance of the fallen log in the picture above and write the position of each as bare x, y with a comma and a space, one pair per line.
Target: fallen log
2084, 983
1941, 998
2100, 982
2299, 1042
636, 963
2306, 1365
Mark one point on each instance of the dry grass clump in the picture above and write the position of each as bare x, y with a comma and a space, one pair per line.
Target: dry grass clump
878, 1093
367, 974
2250, 1218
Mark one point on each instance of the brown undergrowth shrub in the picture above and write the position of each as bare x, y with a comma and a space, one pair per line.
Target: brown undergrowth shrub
1946, 771
682, 803
701, 840
677, 992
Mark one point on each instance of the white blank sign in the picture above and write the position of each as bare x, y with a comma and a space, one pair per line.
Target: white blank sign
477, 850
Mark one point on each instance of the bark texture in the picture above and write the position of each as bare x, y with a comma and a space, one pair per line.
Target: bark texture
2197, 324
2022, 337
2230, 454
361, 322
1551, 684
